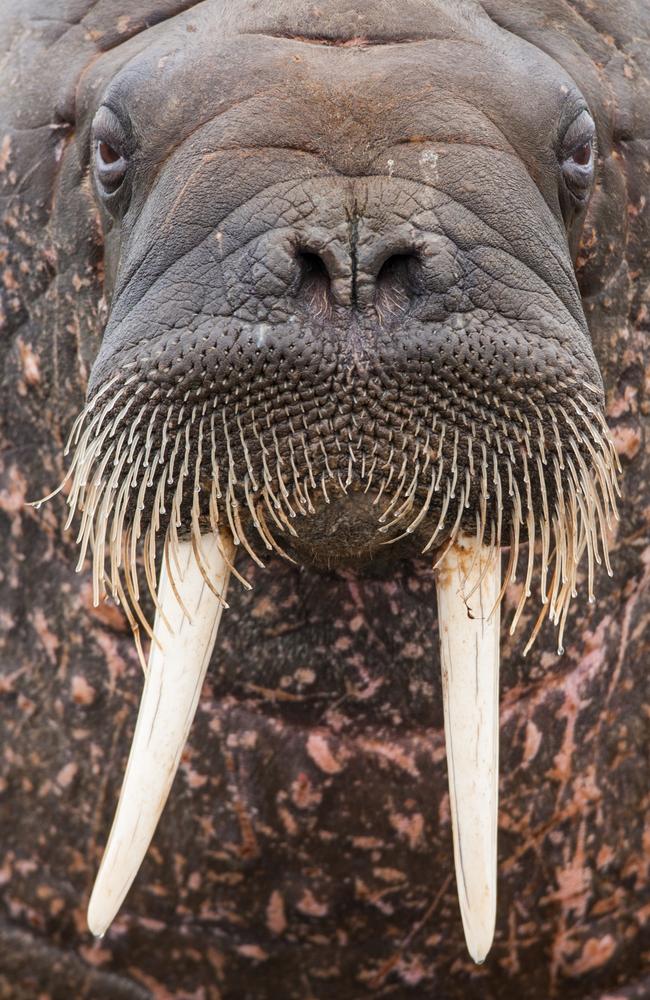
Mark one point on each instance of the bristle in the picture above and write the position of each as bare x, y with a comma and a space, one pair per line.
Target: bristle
149, 468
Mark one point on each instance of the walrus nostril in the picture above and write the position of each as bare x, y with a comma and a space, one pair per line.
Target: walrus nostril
315, 280
399, 280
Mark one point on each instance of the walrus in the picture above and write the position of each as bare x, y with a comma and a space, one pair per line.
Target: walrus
339, 288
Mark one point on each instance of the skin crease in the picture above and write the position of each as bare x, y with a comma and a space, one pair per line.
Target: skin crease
306, 849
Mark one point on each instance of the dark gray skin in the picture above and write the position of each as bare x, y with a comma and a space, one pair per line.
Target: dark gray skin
356, 214
410, 254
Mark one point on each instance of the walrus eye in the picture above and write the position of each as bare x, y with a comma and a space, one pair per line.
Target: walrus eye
577, 157
109, 151
111, 166
578, 171
582, 155
107, 155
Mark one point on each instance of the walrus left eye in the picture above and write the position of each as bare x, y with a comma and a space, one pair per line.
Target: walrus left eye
578, 156
582, 155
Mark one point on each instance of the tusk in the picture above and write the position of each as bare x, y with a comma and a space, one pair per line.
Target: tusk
468, 585
177, 664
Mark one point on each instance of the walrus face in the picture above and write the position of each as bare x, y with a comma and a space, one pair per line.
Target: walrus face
343, 318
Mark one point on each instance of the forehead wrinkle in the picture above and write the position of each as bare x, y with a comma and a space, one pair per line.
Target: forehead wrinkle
270, 113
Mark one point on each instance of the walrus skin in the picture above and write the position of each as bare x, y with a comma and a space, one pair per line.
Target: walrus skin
305, 850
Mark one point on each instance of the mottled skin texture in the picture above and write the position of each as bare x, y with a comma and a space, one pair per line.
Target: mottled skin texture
306, 848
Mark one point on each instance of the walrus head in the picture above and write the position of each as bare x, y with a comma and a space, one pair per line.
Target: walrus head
343, 325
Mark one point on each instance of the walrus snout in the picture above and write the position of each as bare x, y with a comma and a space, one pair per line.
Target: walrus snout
343, 253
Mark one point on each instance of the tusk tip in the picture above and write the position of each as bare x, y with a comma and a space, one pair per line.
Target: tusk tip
102, 908
479, 948
97, 922
479, 932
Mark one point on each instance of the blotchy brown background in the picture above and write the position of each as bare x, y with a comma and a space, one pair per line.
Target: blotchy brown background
306, 848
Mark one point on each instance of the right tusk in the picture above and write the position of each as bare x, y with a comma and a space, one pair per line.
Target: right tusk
177, 665
468, 586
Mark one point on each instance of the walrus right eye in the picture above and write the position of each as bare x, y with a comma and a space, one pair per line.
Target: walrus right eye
111, 166
109, 149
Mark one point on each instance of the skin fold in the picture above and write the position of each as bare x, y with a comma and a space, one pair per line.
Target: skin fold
348, 212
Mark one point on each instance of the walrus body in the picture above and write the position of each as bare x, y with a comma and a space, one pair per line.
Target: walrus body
330, 225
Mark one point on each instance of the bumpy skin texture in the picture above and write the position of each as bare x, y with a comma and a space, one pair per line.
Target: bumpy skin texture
306, 848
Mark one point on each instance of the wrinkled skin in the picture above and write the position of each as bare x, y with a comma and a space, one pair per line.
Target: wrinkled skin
305, 850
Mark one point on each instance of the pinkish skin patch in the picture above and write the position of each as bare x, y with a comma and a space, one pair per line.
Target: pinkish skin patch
411, 828
82, 692
276, 918
319, 750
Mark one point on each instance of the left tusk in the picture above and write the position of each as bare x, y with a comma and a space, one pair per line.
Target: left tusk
468, 584
178, 661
